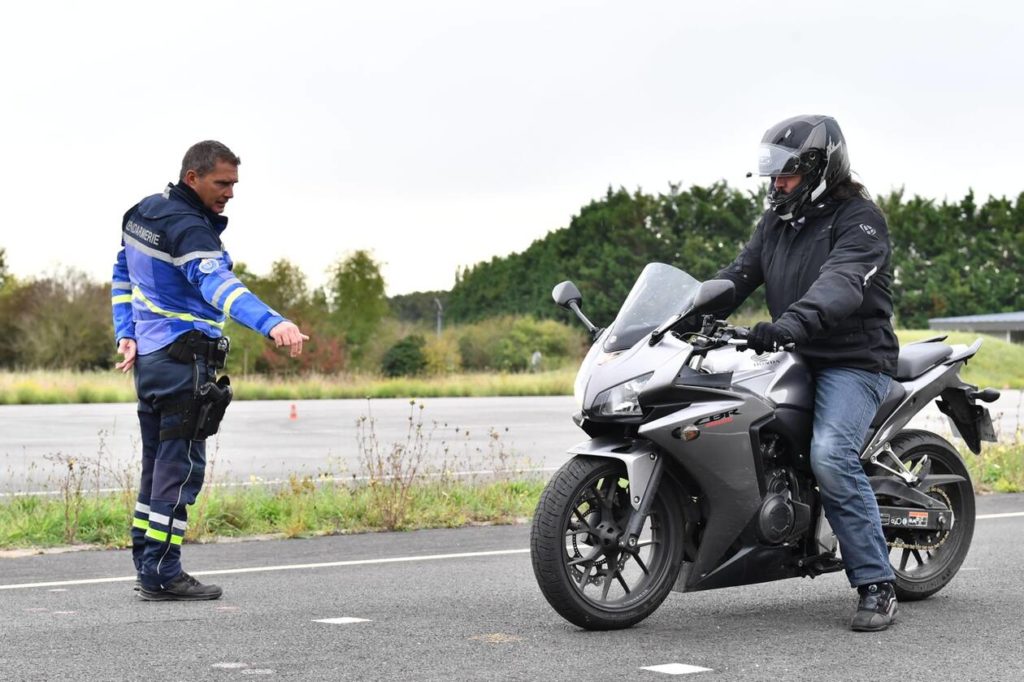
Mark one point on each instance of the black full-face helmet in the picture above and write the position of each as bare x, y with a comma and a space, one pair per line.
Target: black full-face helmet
809, 146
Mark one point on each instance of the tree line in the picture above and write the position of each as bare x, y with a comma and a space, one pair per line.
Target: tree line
62, 321
949, 258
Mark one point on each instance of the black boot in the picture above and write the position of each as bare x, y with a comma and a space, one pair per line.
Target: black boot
182, 588
877, 608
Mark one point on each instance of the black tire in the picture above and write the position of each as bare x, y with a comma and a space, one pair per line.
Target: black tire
574, 546
920, 573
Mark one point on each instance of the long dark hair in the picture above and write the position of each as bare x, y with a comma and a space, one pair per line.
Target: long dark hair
848, 189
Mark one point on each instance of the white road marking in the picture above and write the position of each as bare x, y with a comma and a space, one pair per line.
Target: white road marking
283, 567
57, 590
334, 564
344, 620
676, 669
230, 666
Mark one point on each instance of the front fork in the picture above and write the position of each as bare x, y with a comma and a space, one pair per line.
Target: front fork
642, 506
644, 464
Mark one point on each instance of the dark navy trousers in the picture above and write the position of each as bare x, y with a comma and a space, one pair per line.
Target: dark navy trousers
172, 470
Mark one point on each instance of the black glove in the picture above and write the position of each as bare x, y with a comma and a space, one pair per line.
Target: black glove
767, 337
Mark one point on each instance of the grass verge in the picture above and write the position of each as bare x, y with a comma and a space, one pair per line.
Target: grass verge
55, 387
306, 506
299, 509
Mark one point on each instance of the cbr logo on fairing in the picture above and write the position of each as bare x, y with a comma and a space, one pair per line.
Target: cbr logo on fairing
717, 419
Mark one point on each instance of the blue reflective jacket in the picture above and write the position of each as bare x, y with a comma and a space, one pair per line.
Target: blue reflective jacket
173, 275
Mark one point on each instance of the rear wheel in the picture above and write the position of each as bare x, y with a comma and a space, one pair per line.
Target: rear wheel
583, 572
924, 561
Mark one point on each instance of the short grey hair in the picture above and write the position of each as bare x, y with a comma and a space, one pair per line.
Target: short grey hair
203, 156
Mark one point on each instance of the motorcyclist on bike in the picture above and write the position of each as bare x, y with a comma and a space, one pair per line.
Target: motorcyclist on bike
822, 251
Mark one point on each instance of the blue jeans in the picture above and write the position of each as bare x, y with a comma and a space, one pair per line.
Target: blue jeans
845, 402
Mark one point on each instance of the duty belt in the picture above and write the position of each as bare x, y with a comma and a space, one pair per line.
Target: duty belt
195, 344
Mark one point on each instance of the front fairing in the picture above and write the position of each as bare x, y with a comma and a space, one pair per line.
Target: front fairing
602, 370
623, 352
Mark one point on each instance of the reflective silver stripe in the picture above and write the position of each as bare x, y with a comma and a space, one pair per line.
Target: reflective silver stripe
180, 525
160, 255
121, 285
224, 287
181, 260
144, 508
871, 273
159, 518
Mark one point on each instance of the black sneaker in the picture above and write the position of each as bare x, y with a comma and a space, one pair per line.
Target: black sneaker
182, 588
877, 608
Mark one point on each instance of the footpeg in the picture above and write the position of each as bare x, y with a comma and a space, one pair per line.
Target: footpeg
813, 566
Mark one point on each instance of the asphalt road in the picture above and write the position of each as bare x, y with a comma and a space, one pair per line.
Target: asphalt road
260, 439
481, 616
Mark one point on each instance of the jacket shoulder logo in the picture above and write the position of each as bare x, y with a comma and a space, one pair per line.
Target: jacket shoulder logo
207, 265
868, 230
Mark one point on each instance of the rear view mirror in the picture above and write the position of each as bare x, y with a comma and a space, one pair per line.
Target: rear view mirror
568, 296
714, 294
565, 293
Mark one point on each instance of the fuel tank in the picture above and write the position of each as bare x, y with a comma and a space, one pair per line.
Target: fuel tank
783, 377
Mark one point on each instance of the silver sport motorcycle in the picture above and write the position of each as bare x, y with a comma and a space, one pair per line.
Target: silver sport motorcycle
697, 476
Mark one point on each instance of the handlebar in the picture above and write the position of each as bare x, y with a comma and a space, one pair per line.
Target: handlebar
736, 336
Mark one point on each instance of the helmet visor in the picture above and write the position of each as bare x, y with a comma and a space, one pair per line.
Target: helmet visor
774, 160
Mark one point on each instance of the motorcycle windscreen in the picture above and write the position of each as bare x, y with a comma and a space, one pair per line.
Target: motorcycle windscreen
660, 292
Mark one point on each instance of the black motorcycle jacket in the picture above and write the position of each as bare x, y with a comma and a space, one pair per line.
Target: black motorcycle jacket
828, 282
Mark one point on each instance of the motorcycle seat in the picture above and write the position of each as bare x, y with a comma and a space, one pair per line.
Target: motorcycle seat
918, 358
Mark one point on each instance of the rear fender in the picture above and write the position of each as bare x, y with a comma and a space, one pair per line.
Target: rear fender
638, 456
972, 421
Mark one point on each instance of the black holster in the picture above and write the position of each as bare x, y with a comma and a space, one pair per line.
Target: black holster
202, 413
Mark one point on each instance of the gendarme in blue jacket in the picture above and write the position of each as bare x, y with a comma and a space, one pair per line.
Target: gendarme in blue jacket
173, 274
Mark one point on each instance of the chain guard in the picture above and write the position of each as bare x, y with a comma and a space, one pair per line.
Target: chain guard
900, 543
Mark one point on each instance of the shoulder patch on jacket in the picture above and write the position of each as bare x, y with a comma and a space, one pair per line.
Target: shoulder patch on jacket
868, 230
207, 265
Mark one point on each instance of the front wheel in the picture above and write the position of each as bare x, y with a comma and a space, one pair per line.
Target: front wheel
574, 543
925, 561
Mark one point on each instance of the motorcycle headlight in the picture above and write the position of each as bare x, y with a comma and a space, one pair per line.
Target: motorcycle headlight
622, 400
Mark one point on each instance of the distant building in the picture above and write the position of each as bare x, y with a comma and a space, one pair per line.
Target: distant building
1008, 326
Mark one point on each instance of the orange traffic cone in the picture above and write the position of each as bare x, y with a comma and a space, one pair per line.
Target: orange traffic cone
293, 415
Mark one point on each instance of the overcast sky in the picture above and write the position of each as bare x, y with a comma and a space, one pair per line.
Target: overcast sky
439, 134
